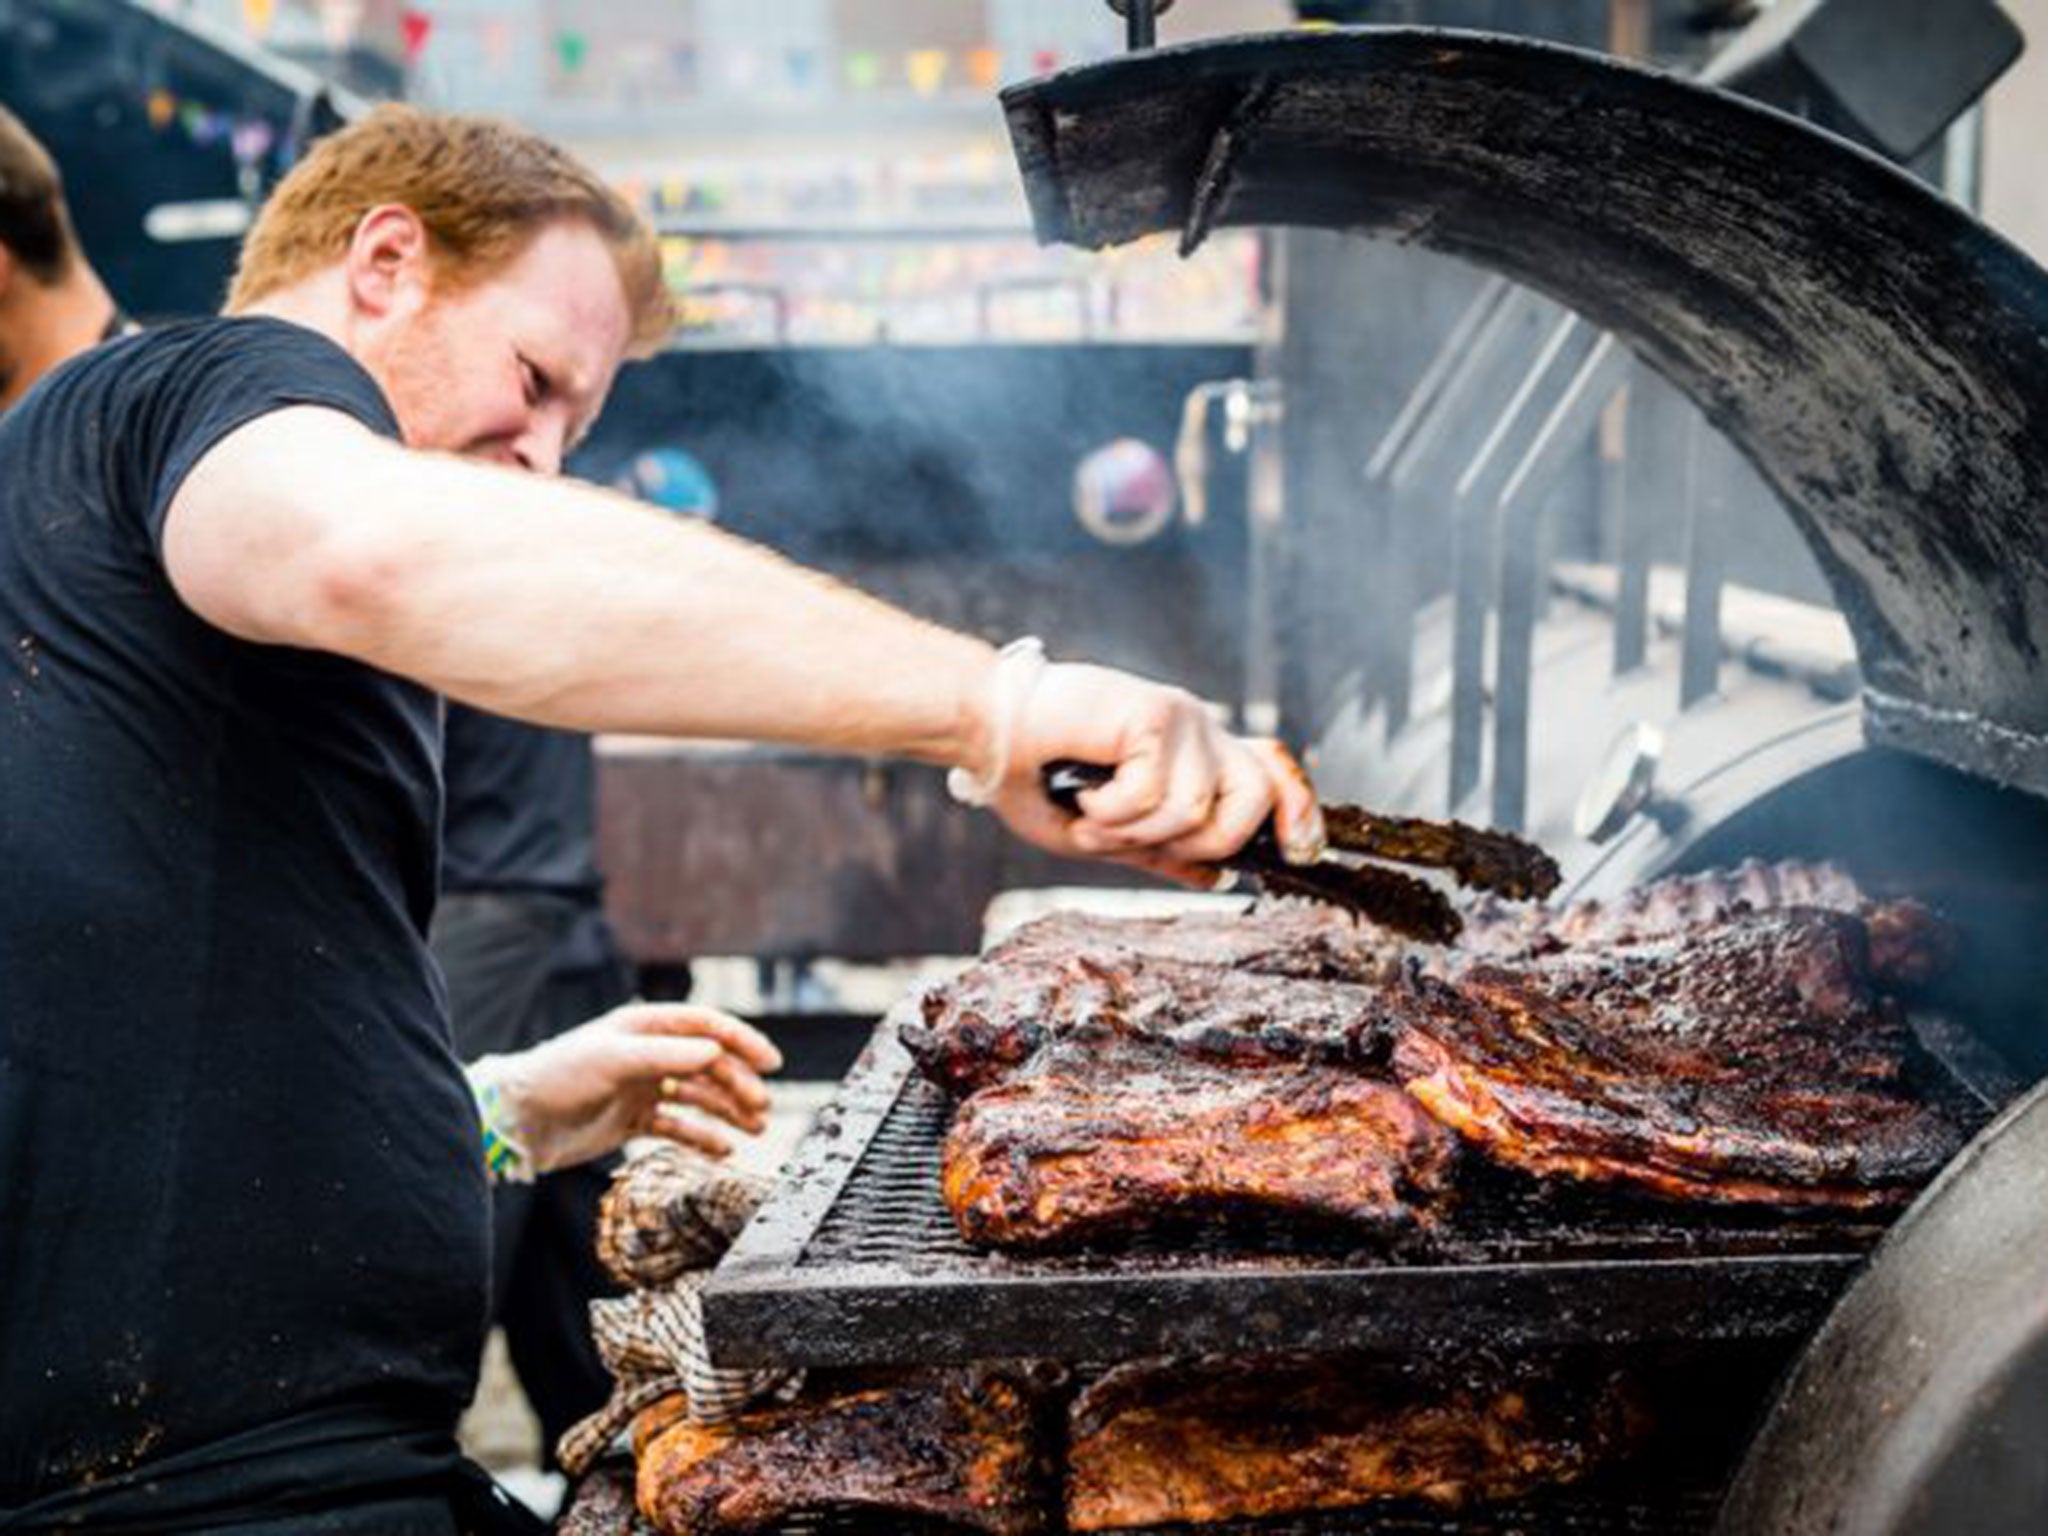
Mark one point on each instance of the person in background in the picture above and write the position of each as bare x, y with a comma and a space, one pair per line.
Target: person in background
52, 303
523, 942
244, 1231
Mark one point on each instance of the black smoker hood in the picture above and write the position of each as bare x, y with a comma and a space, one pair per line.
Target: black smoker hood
1879, 354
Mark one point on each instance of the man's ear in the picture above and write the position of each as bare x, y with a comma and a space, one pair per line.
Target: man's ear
8, 268
389, 260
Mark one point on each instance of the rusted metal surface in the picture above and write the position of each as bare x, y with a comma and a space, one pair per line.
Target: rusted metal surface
757, 851
1880, 355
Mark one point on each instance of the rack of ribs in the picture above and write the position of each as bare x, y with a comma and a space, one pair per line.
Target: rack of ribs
1750, 1059
964, 1447
1909, 946
1156, 1442
1084, 1149
1101, 992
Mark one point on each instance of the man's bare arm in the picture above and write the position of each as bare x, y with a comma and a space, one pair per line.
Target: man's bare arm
564, 604
550, 600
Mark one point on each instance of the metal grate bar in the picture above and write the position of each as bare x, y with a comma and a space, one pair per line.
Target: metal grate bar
1572, 1512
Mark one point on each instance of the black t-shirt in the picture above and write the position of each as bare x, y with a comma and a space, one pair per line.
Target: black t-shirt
243, 1223
522, 807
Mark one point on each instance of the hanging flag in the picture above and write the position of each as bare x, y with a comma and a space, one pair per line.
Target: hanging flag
926, 69
414, 27
257, 16
802, 64
251, 139
339, 22
1045, 61
497, 41
984, 67
863, 70
571, 48
742, 68
683, 60
163, 107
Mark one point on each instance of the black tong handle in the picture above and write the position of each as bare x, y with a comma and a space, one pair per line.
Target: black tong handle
1063, 780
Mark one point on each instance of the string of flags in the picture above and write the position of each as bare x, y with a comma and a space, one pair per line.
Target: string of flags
250, 139
922, 71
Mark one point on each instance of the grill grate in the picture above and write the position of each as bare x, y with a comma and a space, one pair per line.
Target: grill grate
855, 1261
1573, 1512
891, 1213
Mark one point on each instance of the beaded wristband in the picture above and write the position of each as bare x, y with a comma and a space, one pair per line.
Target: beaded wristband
1017, 667
504, 1154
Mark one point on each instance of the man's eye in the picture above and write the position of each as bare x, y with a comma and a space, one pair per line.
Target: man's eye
532, 381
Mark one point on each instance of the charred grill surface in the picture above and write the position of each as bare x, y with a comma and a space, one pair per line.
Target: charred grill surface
964, 1447
1156, 1443
1072, 1153
1744, 1060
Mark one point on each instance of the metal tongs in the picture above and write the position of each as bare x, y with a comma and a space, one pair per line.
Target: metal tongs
1485, 860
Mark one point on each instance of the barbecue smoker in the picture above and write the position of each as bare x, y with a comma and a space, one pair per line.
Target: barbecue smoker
1882, 361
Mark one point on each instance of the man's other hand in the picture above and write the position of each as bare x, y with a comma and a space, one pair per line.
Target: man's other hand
1185, 792
629, 1073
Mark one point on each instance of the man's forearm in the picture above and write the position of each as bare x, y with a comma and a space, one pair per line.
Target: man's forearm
560, 603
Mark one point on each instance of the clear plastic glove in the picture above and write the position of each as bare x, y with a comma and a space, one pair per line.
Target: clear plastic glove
587, 1092
1186, 791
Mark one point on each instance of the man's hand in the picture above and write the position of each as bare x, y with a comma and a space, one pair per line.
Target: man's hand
1186, 792
625, 1074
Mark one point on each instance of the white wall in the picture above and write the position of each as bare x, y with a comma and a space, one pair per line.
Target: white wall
2016, 138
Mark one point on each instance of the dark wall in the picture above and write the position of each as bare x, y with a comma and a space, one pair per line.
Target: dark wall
942, 478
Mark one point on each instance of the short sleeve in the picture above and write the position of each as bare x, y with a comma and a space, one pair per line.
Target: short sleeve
226, 377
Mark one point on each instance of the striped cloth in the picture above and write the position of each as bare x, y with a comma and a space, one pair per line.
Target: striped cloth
670, 1214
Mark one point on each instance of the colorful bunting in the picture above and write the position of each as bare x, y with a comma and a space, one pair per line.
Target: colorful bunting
257, 16
926, 68
414, 28
802, 64
863, 70
340, 20
984, 67
497, 41
571, 48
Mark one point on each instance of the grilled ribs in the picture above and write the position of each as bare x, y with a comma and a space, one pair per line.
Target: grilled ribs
1104, 985
1909, 946
1085, 1149
1156, 1442
964, 1447
1747, 1060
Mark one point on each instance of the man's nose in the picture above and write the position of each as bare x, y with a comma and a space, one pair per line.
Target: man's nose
540, 447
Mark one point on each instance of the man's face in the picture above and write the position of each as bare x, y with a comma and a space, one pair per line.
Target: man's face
513, 368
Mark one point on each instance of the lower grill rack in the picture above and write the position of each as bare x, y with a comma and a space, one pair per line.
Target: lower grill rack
1683, 1512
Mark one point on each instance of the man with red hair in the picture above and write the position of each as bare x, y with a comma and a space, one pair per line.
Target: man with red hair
243, 1229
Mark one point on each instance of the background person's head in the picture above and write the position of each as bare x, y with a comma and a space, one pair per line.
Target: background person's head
51, 303
490, 281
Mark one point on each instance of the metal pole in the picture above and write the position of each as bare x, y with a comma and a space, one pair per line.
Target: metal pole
1141, 25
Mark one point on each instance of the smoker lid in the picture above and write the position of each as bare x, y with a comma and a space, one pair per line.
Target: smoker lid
1880, 355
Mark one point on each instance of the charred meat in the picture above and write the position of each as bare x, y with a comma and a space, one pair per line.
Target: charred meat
1157, 1443
1748, 1060
963, 1447
1909, 946
1098, 994
1076, 1153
